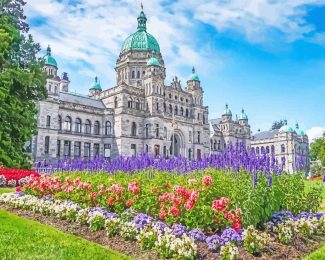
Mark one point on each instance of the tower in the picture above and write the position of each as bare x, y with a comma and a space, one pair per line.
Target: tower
95, 88
64, 84
194, 87
51, 68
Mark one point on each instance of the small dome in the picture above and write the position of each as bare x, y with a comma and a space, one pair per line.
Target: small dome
285, 128
48, 59
96, 84
194, 76
227, 111
153, 61
141, 40
299, 131
243, 115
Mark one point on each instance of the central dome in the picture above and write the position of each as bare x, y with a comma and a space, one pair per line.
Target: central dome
141, 40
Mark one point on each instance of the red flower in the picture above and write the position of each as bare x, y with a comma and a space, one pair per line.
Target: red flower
18, 188
92, 195
189, 204
236, 224
162, 215
128, 203
110, 201
174, 210
228, 215
221, 204
207, 180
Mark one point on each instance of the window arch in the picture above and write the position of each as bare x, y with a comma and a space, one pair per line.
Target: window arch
267, 149
182, 111
137, 104
67, 123
87, 126
108, 128
272, 149
96, 128
283, 148
78, 125
170, 109
257, 150
186, 112
138, 74
129, 102
115, 102
133, 74
165, 107
60, 122
215, 145
134, 129
176, 110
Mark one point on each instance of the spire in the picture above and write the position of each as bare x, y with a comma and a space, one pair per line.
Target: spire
96, 79
285, 121
226, 106
193, 70
48, 50
243, 111
142, 20
297, 125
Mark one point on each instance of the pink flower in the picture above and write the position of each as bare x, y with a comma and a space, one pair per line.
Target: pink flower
189, 204
174, 210
207, 180
70, 189
18, 188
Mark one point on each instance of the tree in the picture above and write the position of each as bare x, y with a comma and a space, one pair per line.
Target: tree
22, 84
277, 124
317, 150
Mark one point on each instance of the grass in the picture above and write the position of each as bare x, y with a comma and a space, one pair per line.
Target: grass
309, 185
5, 190
317, 255
21, 238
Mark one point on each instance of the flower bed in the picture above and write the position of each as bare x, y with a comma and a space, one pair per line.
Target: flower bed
15, 177
170, 241
210, 200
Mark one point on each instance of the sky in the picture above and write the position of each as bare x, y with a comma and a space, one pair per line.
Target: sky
266, 56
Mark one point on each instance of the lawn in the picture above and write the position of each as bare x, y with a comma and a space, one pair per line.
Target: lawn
21, 238
317, 255
5, 190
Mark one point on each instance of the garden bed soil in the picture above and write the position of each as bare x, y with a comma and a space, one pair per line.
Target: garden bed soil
299, 248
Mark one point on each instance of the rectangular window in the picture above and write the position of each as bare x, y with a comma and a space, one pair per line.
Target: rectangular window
96, 150
133, 149
107, 150
58, 148
87, 150
47, 145
77, 149
157, 130
198, 136
190, 136
48, 121
67, 148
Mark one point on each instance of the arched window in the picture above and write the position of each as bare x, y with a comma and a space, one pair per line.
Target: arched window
211, 144
165, 107
182, 111
134, 129
48, 121
170, 109
130, 103
138, 74
133, 74
157, 106
219, 145
186, 112
137, 104
267, 149
262, 149
78, 125
60, 122
47, 145
257, 150
67, 123
96, 128
176, 110
215, 145
108, 128
147, 130
272, 149
283, 148
198, 137
115, 102
87, 126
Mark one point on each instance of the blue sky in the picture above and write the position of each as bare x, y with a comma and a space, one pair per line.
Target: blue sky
267, 57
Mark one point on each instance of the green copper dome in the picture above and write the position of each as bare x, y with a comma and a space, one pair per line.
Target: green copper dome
96, 84
141, 40
48, 59
299, 131
153, 61
227, 111
194, 76
243, 115
285, 128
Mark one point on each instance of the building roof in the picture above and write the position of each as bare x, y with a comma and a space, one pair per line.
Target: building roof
48, 58
81, 100
153, 61
194, 76
96, 84
227, 111
266, 134
243, 115
141, 40
215, 121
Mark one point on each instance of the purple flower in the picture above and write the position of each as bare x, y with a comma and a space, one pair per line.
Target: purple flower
178, 229
141, 220
230, 235
214, 242
197, 234
159, 225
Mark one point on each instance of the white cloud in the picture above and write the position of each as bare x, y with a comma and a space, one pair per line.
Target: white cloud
315, 132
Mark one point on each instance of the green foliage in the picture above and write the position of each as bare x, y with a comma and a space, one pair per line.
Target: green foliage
317, 150
317, 169
318, 254
254, 241
25, 239
22, 83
